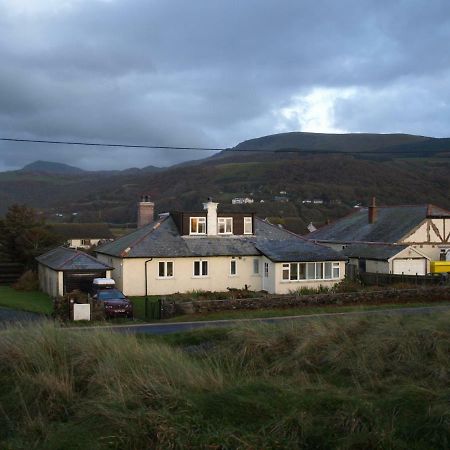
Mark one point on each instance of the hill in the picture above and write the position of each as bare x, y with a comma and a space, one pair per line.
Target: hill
51, 167
337, 181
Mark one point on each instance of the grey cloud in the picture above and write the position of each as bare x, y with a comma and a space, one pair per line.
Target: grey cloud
211, 73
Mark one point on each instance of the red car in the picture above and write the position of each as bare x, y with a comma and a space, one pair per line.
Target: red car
115, 303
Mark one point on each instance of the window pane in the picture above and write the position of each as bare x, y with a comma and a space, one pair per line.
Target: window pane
229, 225
327, 270
256, 266
202, 225
233, 267
248, 225
169, 269
221, 226
311, 271
266, 269
336, 270
294, 271
204, 268
285, 271
161, 269
194, 223
302, 271
319, 271
196, 268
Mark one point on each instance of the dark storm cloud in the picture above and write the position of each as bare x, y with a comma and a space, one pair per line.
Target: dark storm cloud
213, 72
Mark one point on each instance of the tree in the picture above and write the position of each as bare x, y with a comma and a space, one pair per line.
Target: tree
23, 235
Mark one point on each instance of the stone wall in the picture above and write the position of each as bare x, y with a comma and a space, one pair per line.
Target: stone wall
429, 294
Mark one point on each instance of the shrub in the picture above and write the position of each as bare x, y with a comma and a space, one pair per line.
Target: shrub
28, 281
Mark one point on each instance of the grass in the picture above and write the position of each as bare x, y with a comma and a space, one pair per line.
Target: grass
304, 310
379, 383
34, 301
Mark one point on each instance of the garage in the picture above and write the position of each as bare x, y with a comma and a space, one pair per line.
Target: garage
409, 266
63, 270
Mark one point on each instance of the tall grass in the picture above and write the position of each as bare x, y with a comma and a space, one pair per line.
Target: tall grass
360, 384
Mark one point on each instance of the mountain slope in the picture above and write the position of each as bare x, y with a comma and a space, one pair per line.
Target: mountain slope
51, 167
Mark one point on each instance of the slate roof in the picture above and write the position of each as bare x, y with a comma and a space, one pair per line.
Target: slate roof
380, 252
391, 225
67, 259
82, 230
162, 239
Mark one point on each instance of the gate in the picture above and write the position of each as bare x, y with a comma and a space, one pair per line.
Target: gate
152, 309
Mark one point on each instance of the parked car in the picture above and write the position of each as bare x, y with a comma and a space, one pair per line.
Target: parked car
114, 302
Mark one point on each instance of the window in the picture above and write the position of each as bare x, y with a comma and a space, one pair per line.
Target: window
310, 271
165, 269
225, 225
198, 225
248, 226
85, 242
200, 268
233, 267
256, 266
266, 270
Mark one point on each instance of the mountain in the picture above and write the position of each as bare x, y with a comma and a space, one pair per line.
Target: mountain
51, 167
329, 142
339, 181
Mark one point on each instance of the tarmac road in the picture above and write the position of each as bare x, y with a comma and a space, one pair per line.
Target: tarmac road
12, 316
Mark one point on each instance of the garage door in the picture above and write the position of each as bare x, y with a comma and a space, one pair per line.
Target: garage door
81, 280
410, 266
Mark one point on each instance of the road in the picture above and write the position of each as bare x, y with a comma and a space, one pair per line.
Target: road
166, 328
8, 316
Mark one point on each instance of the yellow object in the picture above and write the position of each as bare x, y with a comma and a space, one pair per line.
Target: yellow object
440, 266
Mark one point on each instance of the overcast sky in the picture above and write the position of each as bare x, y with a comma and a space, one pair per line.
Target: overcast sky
214, 73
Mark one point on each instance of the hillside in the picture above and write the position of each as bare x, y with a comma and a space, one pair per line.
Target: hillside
338, 181
51, 167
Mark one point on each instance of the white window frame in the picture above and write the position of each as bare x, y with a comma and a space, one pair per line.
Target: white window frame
165, 269
233, 262
291, 271
200, 220
202, 264
256, 265
248, 222
227, 223
266, 270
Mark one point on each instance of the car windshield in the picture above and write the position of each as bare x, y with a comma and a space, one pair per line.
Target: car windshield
111, 294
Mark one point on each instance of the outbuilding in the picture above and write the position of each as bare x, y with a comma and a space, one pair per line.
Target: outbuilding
63, 270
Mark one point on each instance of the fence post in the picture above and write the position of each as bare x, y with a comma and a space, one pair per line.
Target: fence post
159, 309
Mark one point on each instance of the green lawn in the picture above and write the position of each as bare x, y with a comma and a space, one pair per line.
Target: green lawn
306, 310
25, 301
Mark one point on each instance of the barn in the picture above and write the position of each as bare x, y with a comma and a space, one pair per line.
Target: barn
63, 270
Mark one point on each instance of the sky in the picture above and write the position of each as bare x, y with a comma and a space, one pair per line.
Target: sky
213, 73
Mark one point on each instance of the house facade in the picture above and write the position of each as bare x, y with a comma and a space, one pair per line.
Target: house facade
212, 250
408, 237
82, 235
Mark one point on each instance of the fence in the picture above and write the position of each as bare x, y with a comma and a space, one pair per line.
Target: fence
386, 279
10, 272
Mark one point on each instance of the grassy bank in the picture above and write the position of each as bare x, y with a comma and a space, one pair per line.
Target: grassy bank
34, 301
350, 384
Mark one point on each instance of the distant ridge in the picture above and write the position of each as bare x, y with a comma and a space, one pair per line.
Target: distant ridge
339, 142
51, 167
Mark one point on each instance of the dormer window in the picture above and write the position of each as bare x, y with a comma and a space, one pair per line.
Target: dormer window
225, 225
248, 225
197, 225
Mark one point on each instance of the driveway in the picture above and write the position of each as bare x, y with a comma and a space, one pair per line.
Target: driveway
11, 316
166, 328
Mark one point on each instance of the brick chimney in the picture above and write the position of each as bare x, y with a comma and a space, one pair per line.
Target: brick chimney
373, 211
146, 210
211, 217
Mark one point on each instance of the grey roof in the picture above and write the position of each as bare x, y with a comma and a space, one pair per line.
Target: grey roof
62, 258
162, 239
391, 225
380, 252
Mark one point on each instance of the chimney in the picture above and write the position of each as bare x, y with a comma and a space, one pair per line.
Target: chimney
373, 211
211, 217
145, 211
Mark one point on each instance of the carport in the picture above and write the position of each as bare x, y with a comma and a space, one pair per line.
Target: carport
63, 270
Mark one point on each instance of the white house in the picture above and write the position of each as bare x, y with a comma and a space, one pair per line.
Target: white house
82, 235
212, 250
422, 232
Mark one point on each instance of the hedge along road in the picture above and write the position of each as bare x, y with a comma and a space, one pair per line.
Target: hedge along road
166, 328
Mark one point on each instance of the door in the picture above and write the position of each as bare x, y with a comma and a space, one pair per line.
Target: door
410, 266
81, 280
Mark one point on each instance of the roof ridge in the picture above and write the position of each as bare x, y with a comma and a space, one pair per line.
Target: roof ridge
156, 225
70, 259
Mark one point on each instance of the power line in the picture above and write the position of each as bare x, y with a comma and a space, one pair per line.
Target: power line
210, 149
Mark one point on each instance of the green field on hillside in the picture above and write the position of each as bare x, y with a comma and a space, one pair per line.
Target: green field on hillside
25, 301
380, 383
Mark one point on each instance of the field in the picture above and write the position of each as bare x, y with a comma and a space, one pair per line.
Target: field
381, 383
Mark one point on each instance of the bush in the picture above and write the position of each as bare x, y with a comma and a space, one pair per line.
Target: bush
28, 281
62, 306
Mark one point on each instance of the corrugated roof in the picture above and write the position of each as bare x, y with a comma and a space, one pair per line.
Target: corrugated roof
391, 225
82, 230
380, 252
162, 239
62, 258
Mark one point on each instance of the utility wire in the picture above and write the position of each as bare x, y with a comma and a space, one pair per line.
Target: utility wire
209, 149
